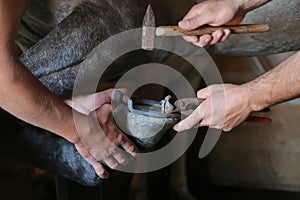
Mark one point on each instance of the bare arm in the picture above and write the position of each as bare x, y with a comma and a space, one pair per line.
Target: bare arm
227, 105
248, 5
233, 103
280, 84
22, 95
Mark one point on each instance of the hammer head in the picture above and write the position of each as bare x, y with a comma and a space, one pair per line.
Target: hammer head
148, 35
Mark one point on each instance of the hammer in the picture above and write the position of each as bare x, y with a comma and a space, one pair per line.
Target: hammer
150, 31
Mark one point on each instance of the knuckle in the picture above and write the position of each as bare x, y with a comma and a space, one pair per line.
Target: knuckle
193, 21
204, 123
219, 127
132, 149
200, 44
113, 166
212, 88
120, 139
99, 168
106, 108
122, 160
195, 8
205, 39
185, 127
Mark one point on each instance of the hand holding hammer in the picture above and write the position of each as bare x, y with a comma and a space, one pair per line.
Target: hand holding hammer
150, 31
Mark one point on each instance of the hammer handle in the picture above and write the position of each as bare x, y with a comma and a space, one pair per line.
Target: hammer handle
235, 29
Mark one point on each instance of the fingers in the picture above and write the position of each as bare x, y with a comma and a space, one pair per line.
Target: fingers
100, 170
192, 20
192, 39
111, 162
195, 118
88, 103
226, 35
120, 158
113, 133
210, 90
200, 117
216, 37
219, 36
98, 167
128, 146
204, 93
225, 107
100, 99
189, 122
212, 13
204, 40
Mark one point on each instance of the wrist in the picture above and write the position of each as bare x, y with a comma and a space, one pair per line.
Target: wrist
256, 99
68, 130
248, 5
81, 126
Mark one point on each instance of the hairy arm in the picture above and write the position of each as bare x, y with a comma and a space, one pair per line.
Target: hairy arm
227, 105
248, 5
280, 84
21, 94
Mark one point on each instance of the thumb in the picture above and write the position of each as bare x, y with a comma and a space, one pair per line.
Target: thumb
78, 107
191, 23
191, 121
203, 94
194, 20
100, 99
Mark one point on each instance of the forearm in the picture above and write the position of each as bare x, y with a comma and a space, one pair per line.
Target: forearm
248, 5
25, 97
280, 84
21, 94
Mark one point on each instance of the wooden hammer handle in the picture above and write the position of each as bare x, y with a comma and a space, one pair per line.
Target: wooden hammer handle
236, 29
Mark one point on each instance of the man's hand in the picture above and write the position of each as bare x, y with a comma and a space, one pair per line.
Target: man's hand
225, 107
216, 13
99, 139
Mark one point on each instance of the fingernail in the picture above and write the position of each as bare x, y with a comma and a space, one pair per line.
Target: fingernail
103, 176
114, 166
176, 127
106, 177
219, 35
131, 149
200, 45
123, 162
184, 23
204, 43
